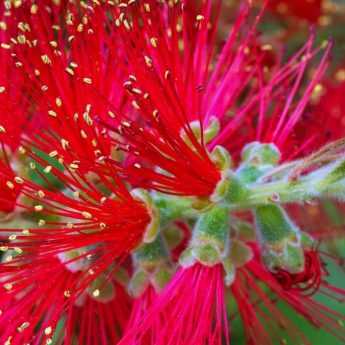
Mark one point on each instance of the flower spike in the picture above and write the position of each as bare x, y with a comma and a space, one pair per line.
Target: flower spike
156, 176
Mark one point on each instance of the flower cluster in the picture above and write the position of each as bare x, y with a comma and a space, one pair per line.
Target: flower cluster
153, 179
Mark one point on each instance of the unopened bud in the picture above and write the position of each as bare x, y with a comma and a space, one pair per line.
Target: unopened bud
221, 157
210, 239
257, 159
239, 255
152, 267
230, 189
281, 241
208, 133
257, 153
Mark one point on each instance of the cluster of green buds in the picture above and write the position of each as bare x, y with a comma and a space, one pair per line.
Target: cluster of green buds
282, 243
152, 267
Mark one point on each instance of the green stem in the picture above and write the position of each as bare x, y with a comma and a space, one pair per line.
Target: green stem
172, 208
281, 192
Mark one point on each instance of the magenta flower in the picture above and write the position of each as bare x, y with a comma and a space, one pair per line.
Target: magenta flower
150, 187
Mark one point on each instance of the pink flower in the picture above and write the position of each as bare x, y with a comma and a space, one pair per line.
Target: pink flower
190, 310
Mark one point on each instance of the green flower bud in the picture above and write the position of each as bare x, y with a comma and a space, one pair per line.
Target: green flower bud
257, 153
257, 159
152, 267
153, 227
280, 239
211, 244
149, 255
212, 226
210, 240
239, 255
209, 132
221, 157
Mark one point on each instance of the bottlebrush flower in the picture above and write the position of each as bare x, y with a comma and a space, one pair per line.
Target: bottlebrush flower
79, 116
237, 83
82, 236
93, 107
195, 294
72, 205
14, 104
135, 99
174, 92
275, 125
46, 302
85, 224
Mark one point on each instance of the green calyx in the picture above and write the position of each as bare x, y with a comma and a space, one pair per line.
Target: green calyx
210, 239
221, 158
230, 189
212, 244
152, 267
239, 254
282, 243
195, 132
150, 254
257, 159
273, 223
152, 229
258, 154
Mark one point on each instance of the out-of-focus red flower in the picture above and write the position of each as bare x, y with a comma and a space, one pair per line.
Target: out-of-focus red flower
309, 10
